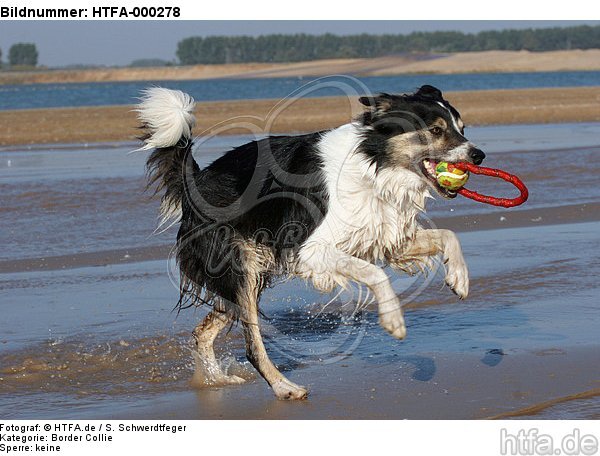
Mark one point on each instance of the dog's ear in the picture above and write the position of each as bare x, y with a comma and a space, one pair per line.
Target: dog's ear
382, 102
428, 91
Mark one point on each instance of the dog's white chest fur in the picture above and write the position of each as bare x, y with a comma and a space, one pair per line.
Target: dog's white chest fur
370, 214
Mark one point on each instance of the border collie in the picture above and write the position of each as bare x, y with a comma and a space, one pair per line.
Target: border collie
331, 207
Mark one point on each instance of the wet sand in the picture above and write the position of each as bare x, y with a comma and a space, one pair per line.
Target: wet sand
118, 123
460, 62
89, 294
432, 387
102, 343
567, 407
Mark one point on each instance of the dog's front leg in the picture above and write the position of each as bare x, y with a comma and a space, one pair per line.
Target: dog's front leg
434, 242
327, 266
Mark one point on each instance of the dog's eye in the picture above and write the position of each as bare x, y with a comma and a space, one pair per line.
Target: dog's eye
437, 131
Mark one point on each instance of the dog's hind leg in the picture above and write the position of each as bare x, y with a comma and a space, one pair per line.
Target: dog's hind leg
205, 334
257, 355
255, 348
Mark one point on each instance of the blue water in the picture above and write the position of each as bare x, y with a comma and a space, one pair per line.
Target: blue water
125, 93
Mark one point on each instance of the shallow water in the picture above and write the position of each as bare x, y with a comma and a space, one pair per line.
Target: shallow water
86, 337
577, 409
78, 199
104, 341
118, 93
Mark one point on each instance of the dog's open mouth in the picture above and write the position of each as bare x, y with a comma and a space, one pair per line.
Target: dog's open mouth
428, 170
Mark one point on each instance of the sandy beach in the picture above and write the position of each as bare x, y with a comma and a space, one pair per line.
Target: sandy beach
461, 62
93, 334
118, 123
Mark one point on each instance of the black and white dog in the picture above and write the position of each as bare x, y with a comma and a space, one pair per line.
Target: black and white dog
325, 206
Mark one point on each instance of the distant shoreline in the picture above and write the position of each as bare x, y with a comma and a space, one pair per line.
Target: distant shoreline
119, 123
460, 62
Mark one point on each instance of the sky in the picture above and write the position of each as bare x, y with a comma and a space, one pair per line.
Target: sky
62, 43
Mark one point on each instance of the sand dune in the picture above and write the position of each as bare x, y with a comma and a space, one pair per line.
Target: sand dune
118, 123
462, 62
501, 62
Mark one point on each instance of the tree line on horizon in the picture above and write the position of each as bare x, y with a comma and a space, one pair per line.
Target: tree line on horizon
21, 54
301, 47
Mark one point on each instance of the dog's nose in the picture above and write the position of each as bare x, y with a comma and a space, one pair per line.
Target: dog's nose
476, 155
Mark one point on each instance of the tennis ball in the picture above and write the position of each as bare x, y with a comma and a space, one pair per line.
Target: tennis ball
450, 177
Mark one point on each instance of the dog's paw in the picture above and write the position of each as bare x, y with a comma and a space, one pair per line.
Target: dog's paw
286, 390
393, 323
457, 278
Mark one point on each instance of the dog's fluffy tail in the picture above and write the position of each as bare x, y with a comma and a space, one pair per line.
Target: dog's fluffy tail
167, 116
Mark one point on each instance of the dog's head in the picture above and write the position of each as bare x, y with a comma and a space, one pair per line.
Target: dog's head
415, 132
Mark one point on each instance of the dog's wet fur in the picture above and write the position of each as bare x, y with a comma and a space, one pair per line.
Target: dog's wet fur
330, 207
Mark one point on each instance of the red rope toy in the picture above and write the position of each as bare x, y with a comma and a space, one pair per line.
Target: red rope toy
504, 202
